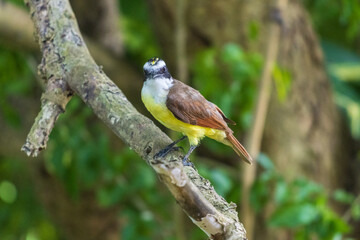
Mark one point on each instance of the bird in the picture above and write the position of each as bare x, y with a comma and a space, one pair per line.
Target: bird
181, 108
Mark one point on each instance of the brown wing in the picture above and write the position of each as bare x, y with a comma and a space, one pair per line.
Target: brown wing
189, 106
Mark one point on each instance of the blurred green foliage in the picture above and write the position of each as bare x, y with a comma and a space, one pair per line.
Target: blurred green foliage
16, 79
84, 155
341, 18
335, 19
300, 205
282, 80
21, 215
343, 68
233, 71
139, 37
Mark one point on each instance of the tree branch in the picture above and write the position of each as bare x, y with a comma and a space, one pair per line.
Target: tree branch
57, 93
56, 25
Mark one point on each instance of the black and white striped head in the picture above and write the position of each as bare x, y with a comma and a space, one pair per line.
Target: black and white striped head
156, 68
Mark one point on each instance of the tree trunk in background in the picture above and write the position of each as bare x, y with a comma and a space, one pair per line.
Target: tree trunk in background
304, 134
101, 22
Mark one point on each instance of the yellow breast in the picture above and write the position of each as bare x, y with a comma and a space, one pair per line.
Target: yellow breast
165, 117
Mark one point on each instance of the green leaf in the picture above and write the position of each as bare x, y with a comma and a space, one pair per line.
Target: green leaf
8, 192
221, 181
232, 53
265, 162
294, 215
335, 53
307, 189
343, 196
110, 195
282, 80
281, 192
346, 71
355, 211
253, 30
349, 100
259, 195
46, 230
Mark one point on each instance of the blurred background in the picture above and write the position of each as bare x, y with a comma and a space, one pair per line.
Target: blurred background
88, 185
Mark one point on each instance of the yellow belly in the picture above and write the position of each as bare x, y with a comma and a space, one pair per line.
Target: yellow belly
193, 132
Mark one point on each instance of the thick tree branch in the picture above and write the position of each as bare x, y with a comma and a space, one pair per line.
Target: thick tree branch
55, 24
57, 93
16, 30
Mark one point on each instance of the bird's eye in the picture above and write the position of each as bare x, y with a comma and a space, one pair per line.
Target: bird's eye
162, 70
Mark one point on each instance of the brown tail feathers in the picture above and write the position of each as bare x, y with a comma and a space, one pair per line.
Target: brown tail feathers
238, 148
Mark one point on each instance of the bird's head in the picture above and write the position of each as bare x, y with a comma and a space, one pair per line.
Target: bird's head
155, 67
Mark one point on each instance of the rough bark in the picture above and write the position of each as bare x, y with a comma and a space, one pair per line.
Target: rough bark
18, 33
56, 25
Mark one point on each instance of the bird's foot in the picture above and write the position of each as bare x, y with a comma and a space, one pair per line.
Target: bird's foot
187, 162
162, 153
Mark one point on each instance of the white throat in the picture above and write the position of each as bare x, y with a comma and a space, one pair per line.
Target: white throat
157, 89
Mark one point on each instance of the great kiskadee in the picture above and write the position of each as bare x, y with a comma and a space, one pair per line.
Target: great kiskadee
183, 109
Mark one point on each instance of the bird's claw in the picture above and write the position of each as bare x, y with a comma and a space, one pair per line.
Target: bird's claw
187, 162
177, 148
162, 153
